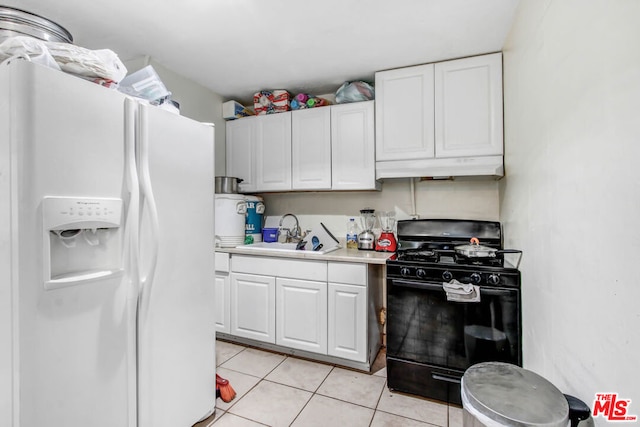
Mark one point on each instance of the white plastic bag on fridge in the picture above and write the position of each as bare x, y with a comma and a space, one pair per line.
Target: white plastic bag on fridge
90, 64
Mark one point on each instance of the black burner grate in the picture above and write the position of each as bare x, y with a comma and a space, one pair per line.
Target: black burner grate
418, 255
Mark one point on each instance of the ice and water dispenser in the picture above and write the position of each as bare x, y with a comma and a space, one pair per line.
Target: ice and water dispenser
83, 240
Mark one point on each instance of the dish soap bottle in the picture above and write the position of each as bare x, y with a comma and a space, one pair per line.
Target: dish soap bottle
352, 234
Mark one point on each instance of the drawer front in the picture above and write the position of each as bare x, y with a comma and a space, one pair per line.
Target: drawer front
222, 261
345, 272
280, 267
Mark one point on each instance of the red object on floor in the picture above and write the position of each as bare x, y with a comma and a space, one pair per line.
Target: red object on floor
227, 393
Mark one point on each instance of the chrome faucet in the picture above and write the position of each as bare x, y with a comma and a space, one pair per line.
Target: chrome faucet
291, 234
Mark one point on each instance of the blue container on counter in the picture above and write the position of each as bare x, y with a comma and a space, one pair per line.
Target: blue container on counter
254, 218
270, 234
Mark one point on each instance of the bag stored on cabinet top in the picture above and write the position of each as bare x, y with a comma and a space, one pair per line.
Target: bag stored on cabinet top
354, 92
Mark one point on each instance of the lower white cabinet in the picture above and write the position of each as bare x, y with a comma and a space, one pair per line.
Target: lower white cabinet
347, 328
253, 307
323, 308
222, 296
347, 324
301, 314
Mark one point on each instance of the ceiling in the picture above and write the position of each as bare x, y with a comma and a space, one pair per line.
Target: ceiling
238, 47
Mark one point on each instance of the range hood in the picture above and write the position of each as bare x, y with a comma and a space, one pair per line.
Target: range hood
491, 166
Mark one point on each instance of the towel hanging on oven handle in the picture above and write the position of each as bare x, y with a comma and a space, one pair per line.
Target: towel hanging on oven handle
461, 292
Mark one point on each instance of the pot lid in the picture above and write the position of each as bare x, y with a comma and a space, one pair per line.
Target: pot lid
475, 246
19, 22
513, 396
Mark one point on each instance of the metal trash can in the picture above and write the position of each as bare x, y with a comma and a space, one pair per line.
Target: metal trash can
500, 394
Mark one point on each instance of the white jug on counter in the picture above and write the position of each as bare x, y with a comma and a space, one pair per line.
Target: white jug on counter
230, 213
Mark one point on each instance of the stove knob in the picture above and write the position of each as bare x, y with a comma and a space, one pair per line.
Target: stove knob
494, 279
476, 278
405, 272
447, 276
421, 273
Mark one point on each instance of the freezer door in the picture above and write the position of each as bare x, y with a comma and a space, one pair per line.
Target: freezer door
72, 344
176, 357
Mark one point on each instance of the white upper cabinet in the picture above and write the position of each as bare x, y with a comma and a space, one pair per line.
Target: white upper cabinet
311, 149
442, 119
273, 152
259, 152
405, 113
468, 102
324, 148
241, 152
353, 147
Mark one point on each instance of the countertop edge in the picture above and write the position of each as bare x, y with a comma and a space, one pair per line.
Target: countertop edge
340, 255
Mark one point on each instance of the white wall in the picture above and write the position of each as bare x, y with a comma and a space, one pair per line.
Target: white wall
572, 191
196, 102
461, 198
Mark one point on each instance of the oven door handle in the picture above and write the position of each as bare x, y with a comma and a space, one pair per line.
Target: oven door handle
417, 285
496, 292
429, 286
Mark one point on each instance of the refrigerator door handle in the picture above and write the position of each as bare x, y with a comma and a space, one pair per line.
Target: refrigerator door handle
132, 182
148, 201
131, 238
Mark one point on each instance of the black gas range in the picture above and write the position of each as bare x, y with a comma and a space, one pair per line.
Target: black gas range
447, 310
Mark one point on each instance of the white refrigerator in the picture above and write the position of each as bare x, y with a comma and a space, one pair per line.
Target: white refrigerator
106, 257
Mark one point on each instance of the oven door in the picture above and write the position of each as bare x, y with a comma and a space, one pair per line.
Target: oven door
424, 328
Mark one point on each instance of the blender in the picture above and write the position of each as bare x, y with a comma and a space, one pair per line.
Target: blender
387, 241
366, 239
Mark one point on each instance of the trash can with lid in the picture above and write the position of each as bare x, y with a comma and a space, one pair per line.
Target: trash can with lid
498, 394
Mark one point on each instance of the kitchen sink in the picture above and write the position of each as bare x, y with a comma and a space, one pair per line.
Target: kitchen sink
283, 247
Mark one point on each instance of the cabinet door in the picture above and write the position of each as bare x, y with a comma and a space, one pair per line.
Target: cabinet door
311, 149
222, 302
301, 308
353, 146
273, 152
241, 149
253, 307
347, 334
469, 107
404, 113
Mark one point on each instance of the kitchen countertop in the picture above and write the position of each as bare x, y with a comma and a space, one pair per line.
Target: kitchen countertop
342, 254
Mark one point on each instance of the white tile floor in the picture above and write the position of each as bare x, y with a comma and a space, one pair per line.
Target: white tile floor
279, 390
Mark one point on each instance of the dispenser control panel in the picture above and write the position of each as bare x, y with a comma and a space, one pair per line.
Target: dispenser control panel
81, 212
